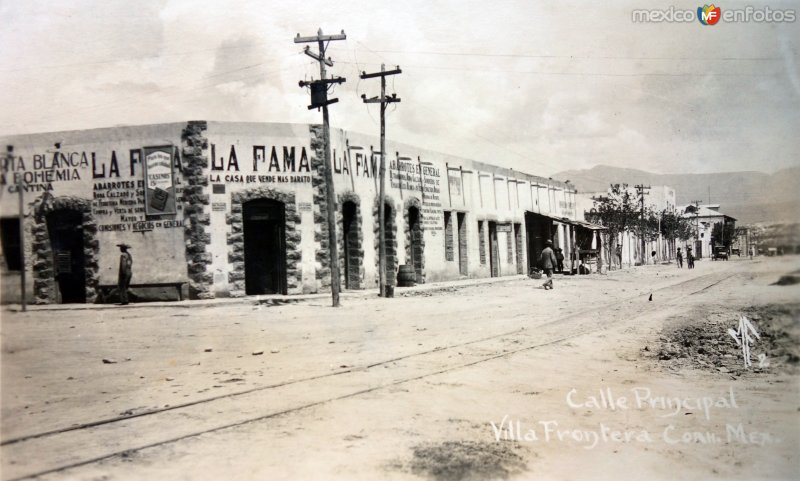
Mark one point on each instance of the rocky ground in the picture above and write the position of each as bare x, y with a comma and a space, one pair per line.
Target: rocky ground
706, 343
504, 381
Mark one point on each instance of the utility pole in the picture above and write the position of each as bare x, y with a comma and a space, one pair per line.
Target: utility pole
696, 221
640, 189
319, 98
383, 100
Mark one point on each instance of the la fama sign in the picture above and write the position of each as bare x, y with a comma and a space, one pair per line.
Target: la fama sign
288, 159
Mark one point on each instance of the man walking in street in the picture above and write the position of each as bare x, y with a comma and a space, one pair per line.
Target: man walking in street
125, 272
679, 257
548, 262
689, 258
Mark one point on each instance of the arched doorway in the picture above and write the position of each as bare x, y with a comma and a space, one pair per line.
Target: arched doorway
416, 249
391, 240
264, 232
351, 245
65, 228
65, 250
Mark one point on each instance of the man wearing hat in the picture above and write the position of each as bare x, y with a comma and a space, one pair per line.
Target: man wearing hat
125, 272
548, 262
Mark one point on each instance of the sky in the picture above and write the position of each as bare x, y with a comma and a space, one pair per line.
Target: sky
537, 86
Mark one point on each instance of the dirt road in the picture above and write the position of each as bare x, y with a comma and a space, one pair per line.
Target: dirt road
589, 381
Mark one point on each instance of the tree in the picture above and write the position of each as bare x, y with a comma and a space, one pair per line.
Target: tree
651, 221
617, 212
723, 234
674, 226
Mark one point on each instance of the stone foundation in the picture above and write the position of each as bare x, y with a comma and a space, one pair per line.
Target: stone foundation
321, 238
196, 217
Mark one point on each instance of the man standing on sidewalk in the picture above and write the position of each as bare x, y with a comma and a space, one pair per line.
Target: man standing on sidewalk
560, 259
125, 272
548, 262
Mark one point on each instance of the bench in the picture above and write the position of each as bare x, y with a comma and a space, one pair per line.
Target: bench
104, 291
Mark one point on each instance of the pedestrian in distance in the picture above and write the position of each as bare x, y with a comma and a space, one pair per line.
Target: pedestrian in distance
560, 259
679, 257
548, 262
689, 258
125, 272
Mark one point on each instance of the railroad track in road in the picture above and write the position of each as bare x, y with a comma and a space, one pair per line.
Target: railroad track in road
62, 440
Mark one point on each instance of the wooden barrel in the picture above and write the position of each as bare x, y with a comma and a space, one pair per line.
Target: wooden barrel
406, 276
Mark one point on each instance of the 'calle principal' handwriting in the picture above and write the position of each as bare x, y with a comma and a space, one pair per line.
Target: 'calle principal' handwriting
643, 398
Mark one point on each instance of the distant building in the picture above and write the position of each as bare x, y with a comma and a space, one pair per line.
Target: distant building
704, 217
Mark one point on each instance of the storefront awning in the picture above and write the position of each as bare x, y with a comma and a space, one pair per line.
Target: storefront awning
587, 225
567, 220
563, 220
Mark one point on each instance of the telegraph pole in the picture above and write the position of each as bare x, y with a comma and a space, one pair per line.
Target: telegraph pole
640, 189
696, 221
383, 100
319, 98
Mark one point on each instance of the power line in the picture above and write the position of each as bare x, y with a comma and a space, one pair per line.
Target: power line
476, 134
580, 57
591, 74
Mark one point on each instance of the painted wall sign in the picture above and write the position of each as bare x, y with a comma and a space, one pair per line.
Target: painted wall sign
454, 178
159, 181
293, 167
423, 180
567, 208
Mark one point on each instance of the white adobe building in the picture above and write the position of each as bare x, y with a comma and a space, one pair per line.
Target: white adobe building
704, 217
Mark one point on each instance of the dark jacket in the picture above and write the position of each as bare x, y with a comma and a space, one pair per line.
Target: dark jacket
125, 267
548, 259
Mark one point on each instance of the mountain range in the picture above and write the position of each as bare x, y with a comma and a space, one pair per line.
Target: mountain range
747, 196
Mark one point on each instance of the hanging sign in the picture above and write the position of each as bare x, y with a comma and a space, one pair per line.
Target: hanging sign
159, 181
